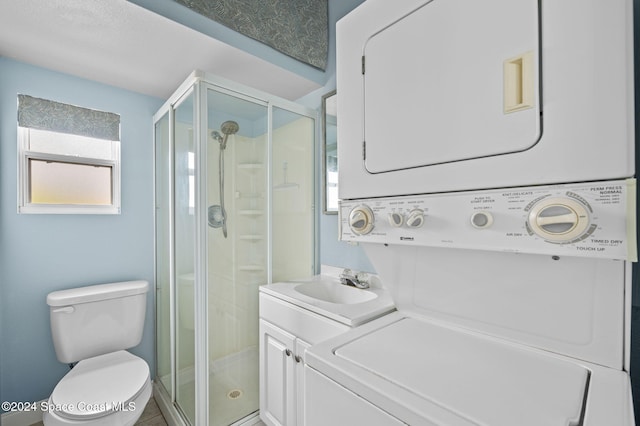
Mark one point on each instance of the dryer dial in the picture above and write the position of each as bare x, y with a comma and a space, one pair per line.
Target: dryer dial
396, 219
559, 219
361, 220
415, 219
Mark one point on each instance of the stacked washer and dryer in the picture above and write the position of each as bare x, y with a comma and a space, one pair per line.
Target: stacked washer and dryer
486, 167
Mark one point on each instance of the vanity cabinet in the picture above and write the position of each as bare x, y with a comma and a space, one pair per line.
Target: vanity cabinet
282, 375
286, 331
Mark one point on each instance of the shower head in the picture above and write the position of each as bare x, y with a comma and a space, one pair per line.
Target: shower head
229, 127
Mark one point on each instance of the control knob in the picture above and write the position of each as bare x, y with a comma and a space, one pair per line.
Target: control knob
396, 219
559, 219
415, 219
361, 220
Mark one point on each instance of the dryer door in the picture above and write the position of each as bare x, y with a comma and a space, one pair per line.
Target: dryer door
451, 81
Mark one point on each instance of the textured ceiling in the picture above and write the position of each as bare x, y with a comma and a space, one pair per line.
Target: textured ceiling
121, 44
298, 28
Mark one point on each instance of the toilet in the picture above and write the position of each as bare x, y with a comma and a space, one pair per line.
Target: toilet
93, 326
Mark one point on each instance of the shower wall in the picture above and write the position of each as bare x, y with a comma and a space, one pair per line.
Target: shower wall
292, 201
237, 264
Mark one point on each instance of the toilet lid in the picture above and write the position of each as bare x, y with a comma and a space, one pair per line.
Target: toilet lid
100, 385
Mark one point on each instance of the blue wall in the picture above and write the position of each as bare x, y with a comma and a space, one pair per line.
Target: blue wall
43, 253
332, 251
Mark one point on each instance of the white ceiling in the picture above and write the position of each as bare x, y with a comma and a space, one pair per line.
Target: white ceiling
121, 44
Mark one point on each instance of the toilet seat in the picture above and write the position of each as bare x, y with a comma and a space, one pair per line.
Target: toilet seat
99, 386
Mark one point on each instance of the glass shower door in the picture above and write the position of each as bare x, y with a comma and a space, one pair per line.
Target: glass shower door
163, 253
184, 256
175, 253
237, 249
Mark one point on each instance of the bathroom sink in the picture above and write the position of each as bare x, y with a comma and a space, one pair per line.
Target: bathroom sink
326, 296
334, 292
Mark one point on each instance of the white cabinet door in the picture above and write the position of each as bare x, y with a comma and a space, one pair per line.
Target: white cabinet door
282, 357
277, 376
301, 347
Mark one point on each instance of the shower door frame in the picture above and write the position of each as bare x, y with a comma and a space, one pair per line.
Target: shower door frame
198, 83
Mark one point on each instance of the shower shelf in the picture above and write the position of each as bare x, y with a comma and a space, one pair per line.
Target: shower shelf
251, 237
252, 268
251, 212
249, 194
250, 166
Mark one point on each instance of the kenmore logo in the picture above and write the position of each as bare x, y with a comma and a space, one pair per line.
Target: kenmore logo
406, 238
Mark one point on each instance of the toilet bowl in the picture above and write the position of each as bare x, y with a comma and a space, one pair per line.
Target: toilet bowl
93, 326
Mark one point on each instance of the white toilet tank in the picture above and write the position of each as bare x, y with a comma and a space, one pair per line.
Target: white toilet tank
98, 319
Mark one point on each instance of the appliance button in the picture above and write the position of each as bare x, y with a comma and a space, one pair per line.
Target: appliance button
481, 220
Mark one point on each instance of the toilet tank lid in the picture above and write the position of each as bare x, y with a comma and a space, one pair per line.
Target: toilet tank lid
93, 293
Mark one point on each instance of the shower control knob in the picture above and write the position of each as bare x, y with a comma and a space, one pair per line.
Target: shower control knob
559, 219
396, 219
415, 219
361, 220
481, 220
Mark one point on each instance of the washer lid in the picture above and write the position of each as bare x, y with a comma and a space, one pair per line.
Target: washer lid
481, 379
100, 385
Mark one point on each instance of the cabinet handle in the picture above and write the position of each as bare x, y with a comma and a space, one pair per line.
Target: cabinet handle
287, 352
298, 358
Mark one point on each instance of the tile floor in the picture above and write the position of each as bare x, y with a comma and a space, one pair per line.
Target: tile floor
151, 416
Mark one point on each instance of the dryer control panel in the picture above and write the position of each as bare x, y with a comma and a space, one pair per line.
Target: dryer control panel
587, 220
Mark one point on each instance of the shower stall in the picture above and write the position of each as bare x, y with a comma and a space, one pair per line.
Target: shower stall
235, 209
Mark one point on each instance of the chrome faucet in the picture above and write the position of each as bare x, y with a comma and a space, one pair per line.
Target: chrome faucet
358, 280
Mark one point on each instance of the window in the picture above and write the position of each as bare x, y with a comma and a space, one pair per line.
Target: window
68, 158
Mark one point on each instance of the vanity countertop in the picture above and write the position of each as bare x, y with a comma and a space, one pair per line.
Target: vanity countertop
351, 314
